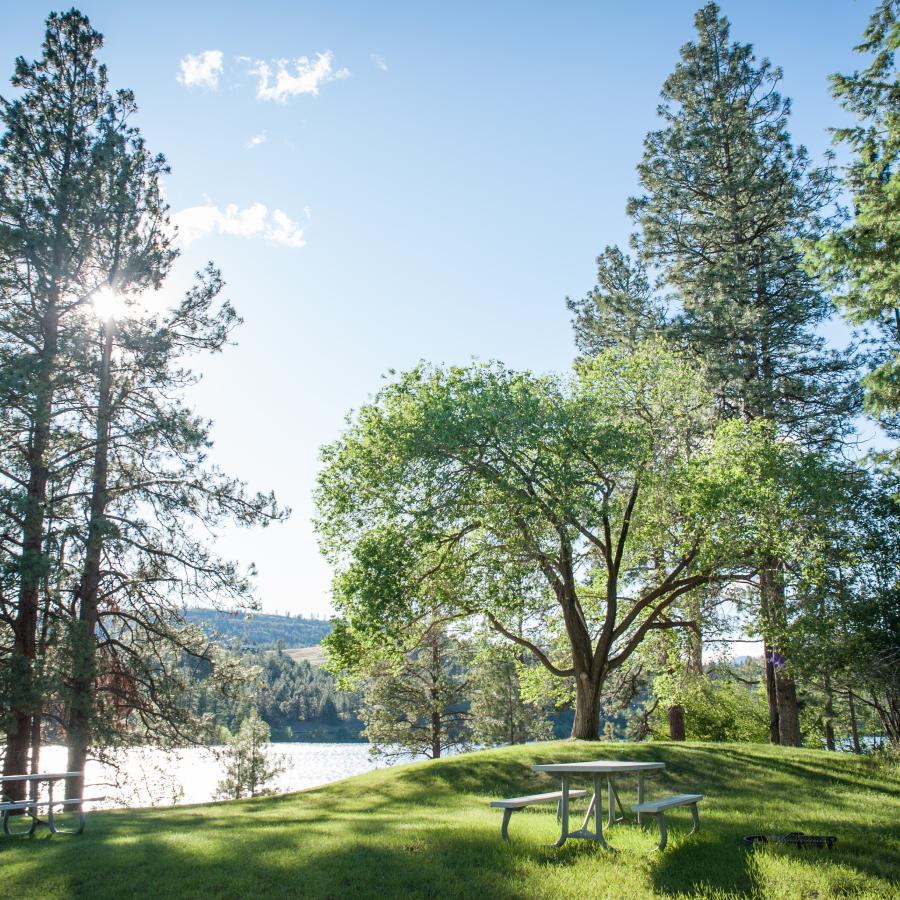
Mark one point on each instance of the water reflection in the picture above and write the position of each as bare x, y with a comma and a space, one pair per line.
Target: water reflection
152, 777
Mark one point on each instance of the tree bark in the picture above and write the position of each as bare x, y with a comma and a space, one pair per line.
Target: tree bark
84, 640
676, 722
586, 726
854, 730
788, 710
778, 681
32, 563
829, 714
774, 736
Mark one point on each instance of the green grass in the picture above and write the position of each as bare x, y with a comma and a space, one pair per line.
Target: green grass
425, 830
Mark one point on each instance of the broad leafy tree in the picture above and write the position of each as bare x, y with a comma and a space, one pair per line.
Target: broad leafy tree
544, 505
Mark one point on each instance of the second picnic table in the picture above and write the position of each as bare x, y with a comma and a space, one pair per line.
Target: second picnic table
30, 806
596, 770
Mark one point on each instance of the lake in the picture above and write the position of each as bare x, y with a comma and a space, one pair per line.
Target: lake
152, 777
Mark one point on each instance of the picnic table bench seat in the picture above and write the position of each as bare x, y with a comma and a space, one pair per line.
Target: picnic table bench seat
659, 807
510, 805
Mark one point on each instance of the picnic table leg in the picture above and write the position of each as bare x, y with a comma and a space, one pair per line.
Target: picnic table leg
611, 801
663, 834
504, 833
11, 832
564, 812
598, 822
50, 824
696, 817
640, 817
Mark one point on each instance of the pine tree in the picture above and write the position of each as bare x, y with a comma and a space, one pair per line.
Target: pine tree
726, 199
621, 310
249, 767
862, 260
499, 713
59, 155
415, 702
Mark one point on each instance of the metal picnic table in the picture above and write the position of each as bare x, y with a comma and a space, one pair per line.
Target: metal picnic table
596, 770
30, 806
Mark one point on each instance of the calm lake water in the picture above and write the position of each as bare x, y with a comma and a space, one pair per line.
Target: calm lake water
150, 777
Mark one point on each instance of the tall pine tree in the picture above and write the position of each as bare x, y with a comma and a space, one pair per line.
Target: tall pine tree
726, 197
59, 153
862, 260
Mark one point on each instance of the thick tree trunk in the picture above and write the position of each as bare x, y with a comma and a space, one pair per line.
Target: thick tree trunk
676, 722
788, 710
586, 726
84, 641
774, 736
774, 616
32, 564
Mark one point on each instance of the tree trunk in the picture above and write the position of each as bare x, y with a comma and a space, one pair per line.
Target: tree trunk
84, 641
586, 726
774, 736
32, 563
676, 722
829, 714
774, 616
788, 710
854, 730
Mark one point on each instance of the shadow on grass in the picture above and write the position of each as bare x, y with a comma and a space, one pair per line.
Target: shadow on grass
426, 831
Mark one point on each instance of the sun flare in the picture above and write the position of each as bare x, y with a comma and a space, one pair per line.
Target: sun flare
108, 304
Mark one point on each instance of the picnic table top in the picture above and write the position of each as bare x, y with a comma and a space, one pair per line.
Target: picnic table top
39, 776
597, 767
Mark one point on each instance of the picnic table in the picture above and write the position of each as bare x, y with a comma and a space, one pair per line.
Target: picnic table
596, 770
32, 805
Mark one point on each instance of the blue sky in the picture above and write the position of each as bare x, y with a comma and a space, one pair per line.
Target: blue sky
436, 178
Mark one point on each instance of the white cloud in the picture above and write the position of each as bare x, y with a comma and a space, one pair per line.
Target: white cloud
253, 222
293, 77
203, 70
256, 140
380, 62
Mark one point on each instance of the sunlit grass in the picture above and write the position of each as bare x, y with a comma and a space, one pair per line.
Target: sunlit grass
426, 830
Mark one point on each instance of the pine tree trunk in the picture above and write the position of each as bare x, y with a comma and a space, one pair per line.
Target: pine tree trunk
854, 730
435, 735
774, 614
436, 723
788, 710
586, 726
774, 736
676, 722
829, 714
84, 642
31, 569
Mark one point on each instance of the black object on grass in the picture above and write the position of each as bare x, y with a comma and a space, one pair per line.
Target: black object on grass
797, 838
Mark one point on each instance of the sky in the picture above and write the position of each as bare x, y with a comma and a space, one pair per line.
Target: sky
387, 182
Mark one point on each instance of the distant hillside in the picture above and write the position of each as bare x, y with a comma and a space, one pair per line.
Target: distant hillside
258, 629
315, 656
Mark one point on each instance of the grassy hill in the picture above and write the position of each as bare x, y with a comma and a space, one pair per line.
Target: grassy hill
315, 656
259, 629
425, 830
